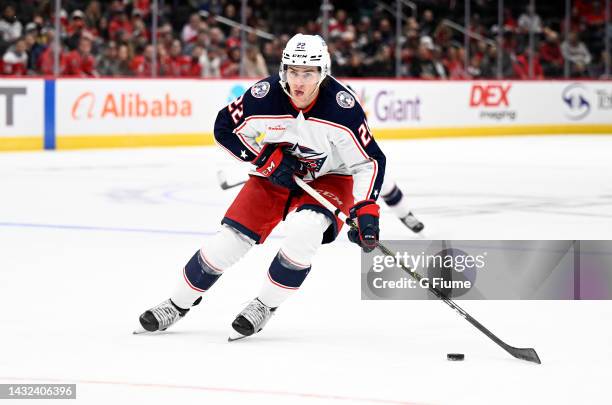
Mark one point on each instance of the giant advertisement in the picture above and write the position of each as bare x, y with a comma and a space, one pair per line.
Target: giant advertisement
407, 108
21, 114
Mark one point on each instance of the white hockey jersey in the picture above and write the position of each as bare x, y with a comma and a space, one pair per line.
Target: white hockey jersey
331, 136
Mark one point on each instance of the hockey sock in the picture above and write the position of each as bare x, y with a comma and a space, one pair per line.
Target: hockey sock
206, 266
284, 278
396, 202
199, 276
291, 265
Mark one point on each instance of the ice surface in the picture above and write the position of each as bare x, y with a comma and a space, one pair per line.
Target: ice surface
90, 239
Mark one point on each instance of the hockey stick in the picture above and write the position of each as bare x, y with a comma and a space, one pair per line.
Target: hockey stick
222, 179
527, 354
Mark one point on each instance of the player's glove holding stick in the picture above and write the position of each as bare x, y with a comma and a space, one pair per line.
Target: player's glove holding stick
366, 214
278, 165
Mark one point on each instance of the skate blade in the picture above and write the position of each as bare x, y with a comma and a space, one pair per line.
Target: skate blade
140, 331
233, 336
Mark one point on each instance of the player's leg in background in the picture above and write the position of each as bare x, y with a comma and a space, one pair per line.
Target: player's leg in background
287, 272
394, 198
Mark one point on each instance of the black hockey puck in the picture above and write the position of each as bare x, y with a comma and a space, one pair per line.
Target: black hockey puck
455, 356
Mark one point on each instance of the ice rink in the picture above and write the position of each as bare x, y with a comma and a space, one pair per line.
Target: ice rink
90, 239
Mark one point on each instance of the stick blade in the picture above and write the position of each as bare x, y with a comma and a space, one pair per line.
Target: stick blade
527, 354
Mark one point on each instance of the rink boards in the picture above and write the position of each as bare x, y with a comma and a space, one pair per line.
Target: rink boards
101, 113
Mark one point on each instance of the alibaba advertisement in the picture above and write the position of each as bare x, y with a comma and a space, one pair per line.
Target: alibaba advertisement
132, 107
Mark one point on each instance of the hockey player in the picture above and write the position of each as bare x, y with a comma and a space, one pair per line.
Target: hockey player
314, 129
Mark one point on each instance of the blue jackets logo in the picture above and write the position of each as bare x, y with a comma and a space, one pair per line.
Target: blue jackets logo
576, 100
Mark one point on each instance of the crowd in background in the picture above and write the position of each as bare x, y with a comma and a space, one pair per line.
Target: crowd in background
114, 38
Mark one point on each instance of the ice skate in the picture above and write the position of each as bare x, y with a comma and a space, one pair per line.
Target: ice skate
412, 223
251, 320
160, 317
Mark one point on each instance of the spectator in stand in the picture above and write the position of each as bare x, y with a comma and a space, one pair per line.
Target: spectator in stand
143, 6
179, 65
386, 31
427, 25
423, 66
165, 35
272, 55
80, 62
530, 20
119, 23
75, 29
474, 70
443, 36
550, 54
124, 56
231, 66
254, 63
439, 67
521, 66
46, 60
510, 23
576, 52
488, 64
93, 13
233, 39
195, 66
595, 17
138, 63
201, 40
363, 32
598, 70
142, 64
211, 62
10, 27
455, 63
34, 47
355, 67
338, 25
191, 29
108, 62
217, 38
139, 28
383, 63
15, 60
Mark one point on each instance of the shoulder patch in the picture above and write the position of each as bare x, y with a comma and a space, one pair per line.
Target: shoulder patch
345, 100
259, 90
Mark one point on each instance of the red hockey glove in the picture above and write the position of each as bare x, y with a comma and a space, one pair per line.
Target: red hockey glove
277, 165
366, 212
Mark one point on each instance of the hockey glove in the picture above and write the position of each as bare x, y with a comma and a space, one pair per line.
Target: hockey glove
366, 213
277, 165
